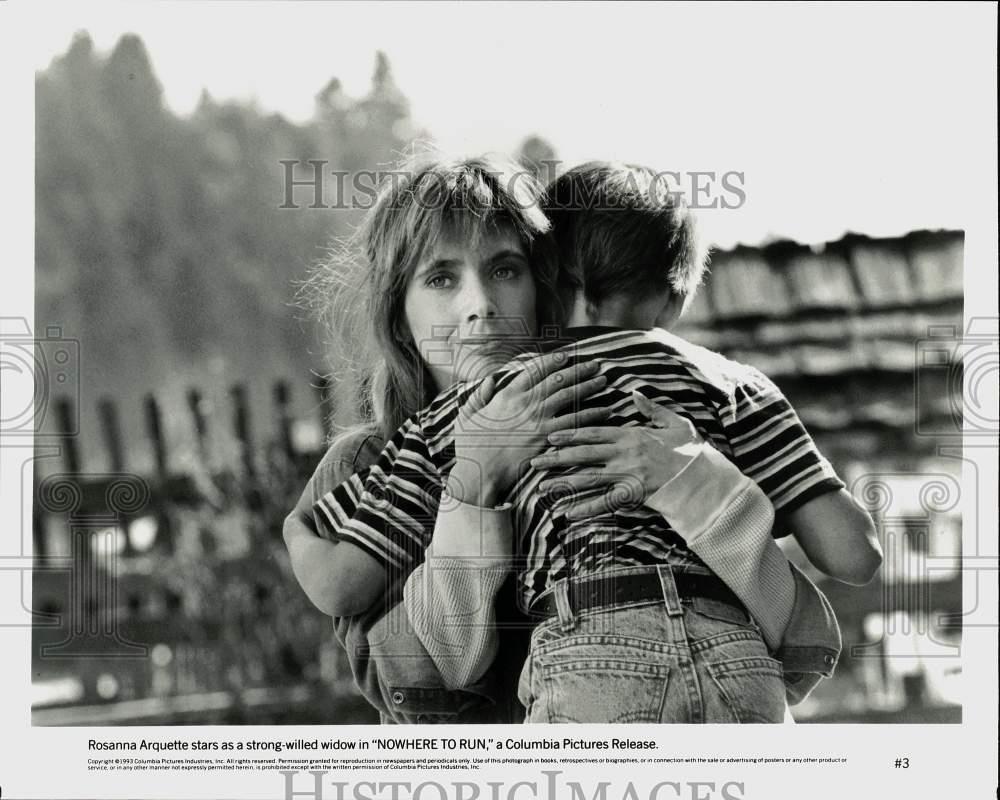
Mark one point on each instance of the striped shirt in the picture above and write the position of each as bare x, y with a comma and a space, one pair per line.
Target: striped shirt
390, 513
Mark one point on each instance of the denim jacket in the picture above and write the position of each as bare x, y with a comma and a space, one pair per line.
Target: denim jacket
396, 675
811, 646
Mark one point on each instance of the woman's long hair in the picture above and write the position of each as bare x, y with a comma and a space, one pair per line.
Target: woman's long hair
360, 288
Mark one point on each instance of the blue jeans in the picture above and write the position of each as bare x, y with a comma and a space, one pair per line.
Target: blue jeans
669, 660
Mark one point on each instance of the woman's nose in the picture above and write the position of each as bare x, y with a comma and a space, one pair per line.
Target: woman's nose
479, 302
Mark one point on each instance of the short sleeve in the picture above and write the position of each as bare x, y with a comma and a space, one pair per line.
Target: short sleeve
388, 510
351, 452
771, 445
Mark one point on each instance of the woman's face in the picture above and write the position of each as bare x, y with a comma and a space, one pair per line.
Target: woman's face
469, 305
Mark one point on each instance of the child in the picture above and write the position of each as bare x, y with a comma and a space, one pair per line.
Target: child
639, 627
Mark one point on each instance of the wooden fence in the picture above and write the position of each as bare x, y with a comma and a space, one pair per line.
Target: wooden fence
167, 597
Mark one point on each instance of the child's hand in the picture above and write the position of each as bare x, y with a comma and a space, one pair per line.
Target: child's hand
630, 463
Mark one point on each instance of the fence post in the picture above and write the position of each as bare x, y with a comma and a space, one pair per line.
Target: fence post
112, 433
113, 441
196, 404
38, 536
155, 431
241, 427
160, 503
282, 398
70, 443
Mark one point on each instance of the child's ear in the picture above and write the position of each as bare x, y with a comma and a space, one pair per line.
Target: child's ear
671, 312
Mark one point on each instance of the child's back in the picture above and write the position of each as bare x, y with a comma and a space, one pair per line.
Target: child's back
738, 410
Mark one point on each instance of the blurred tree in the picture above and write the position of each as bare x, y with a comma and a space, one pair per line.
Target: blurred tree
160, 241
540, 157
385, 112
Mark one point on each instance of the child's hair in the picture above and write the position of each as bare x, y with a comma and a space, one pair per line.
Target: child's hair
361, 288
621, 229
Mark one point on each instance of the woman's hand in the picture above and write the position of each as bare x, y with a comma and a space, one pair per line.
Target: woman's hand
632, 462
498, 432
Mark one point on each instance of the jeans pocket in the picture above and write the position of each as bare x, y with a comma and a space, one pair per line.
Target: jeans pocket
545, 632
599, 679
751, 688
720, 611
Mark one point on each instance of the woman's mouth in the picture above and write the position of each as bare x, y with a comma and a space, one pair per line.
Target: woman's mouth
487, 345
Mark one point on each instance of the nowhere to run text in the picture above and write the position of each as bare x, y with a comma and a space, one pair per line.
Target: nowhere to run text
512, 743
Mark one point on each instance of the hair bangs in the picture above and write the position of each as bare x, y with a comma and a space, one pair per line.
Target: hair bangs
469, 199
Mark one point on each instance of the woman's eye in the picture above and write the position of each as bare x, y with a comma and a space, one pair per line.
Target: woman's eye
505, 273
438, 282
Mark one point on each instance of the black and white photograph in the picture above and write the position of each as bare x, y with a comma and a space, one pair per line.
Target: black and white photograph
546, 372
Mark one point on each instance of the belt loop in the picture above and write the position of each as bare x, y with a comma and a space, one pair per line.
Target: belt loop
668, 585
560, 592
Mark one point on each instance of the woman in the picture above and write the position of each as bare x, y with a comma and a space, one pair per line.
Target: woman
451, 293
428, 323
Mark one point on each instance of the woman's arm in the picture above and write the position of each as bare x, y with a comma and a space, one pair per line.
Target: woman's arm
450, 598
727, 521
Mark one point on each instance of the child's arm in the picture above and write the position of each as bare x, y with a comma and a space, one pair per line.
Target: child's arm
771, 445
838, 536
339, 578
347, 542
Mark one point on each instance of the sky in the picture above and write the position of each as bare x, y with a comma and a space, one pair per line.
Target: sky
837, 117
879, 119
